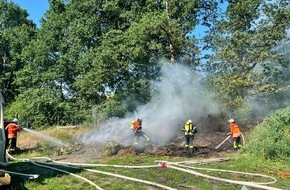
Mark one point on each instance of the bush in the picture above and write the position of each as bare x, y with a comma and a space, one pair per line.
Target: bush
41, 107
271, 139
110, 108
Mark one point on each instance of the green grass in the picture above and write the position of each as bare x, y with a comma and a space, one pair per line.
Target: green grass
50, 179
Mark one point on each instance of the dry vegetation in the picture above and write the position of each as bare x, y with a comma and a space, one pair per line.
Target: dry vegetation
74, 150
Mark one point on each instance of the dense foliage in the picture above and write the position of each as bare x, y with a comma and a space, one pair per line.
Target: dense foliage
16, 31
244, 62
271, 138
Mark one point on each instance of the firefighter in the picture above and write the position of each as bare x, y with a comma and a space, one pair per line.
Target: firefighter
12, 129
136, 127
235, 133
189, 129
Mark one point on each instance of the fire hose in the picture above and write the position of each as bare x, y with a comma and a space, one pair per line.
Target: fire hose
259, 185
29, 176
179, 167
78, 176
124, 177
95, 171
28, 160
252, 184
164, 164
228, 139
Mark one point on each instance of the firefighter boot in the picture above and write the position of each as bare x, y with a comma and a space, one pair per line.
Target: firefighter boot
190, 151
13, 151
235, 145
187, 150
9, 149
188, 154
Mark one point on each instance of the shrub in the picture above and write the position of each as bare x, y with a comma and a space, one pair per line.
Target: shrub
271, 139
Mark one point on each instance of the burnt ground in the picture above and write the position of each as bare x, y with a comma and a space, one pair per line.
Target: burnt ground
211, 131
204, 148
205, 142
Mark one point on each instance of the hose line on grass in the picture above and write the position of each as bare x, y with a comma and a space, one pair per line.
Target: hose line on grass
250, 184
106, 165
132, 179
95, 171
29, 176
178, 167
182, 164
113, 174
75, 175
274, 180
41, 165
173, 165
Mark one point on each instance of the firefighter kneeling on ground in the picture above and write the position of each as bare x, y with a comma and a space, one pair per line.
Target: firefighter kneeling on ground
136, 127
235, 133
12, 129
189, 131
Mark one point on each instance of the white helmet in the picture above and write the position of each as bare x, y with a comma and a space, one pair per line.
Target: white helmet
189, 121
231, 120
139, 119
15, 120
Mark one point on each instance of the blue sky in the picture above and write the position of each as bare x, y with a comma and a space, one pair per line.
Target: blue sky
35, 8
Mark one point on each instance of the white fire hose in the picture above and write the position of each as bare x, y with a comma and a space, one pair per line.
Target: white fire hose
227, 139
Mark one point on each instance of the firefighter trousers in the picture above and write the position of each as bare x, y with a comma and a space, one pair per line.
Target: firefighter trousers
189, 141
12, 144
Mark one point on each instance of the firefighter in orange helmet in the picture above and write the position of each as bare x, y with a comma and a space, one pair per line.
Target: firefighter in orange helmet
12, 129
136, 127
235, 133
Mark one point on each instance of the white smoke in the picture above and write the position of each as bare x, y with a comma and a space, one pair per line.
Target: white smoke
179, 96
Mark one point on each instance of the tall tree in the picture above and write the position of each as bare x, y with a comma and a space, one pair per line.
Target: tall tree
242, 43
88, 50
16, 31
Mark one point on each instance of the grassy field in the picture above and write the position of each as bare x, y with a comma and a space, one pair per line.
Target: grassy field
51, 179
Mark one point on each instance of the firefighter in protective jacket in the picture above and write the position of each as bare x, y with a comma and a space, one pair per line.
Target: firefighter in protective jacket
235, 133
136, 127
12, 129
189, 129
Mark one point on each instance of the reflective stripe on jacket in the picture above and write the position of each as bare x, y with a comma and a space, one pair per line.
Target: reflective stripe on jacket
12, 129
189, 129
235, 130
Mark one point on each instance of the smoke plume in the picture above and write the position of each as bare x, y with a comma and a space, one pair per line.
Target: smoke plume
180, 96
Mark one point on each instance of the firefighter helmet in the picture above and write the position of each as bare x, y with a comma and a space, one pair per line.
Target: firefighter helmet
139, 119
231, 120
15, 120
189, 121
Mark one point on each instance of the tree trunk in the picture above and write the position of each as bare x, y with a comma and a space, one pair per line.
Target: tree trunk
172, 51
